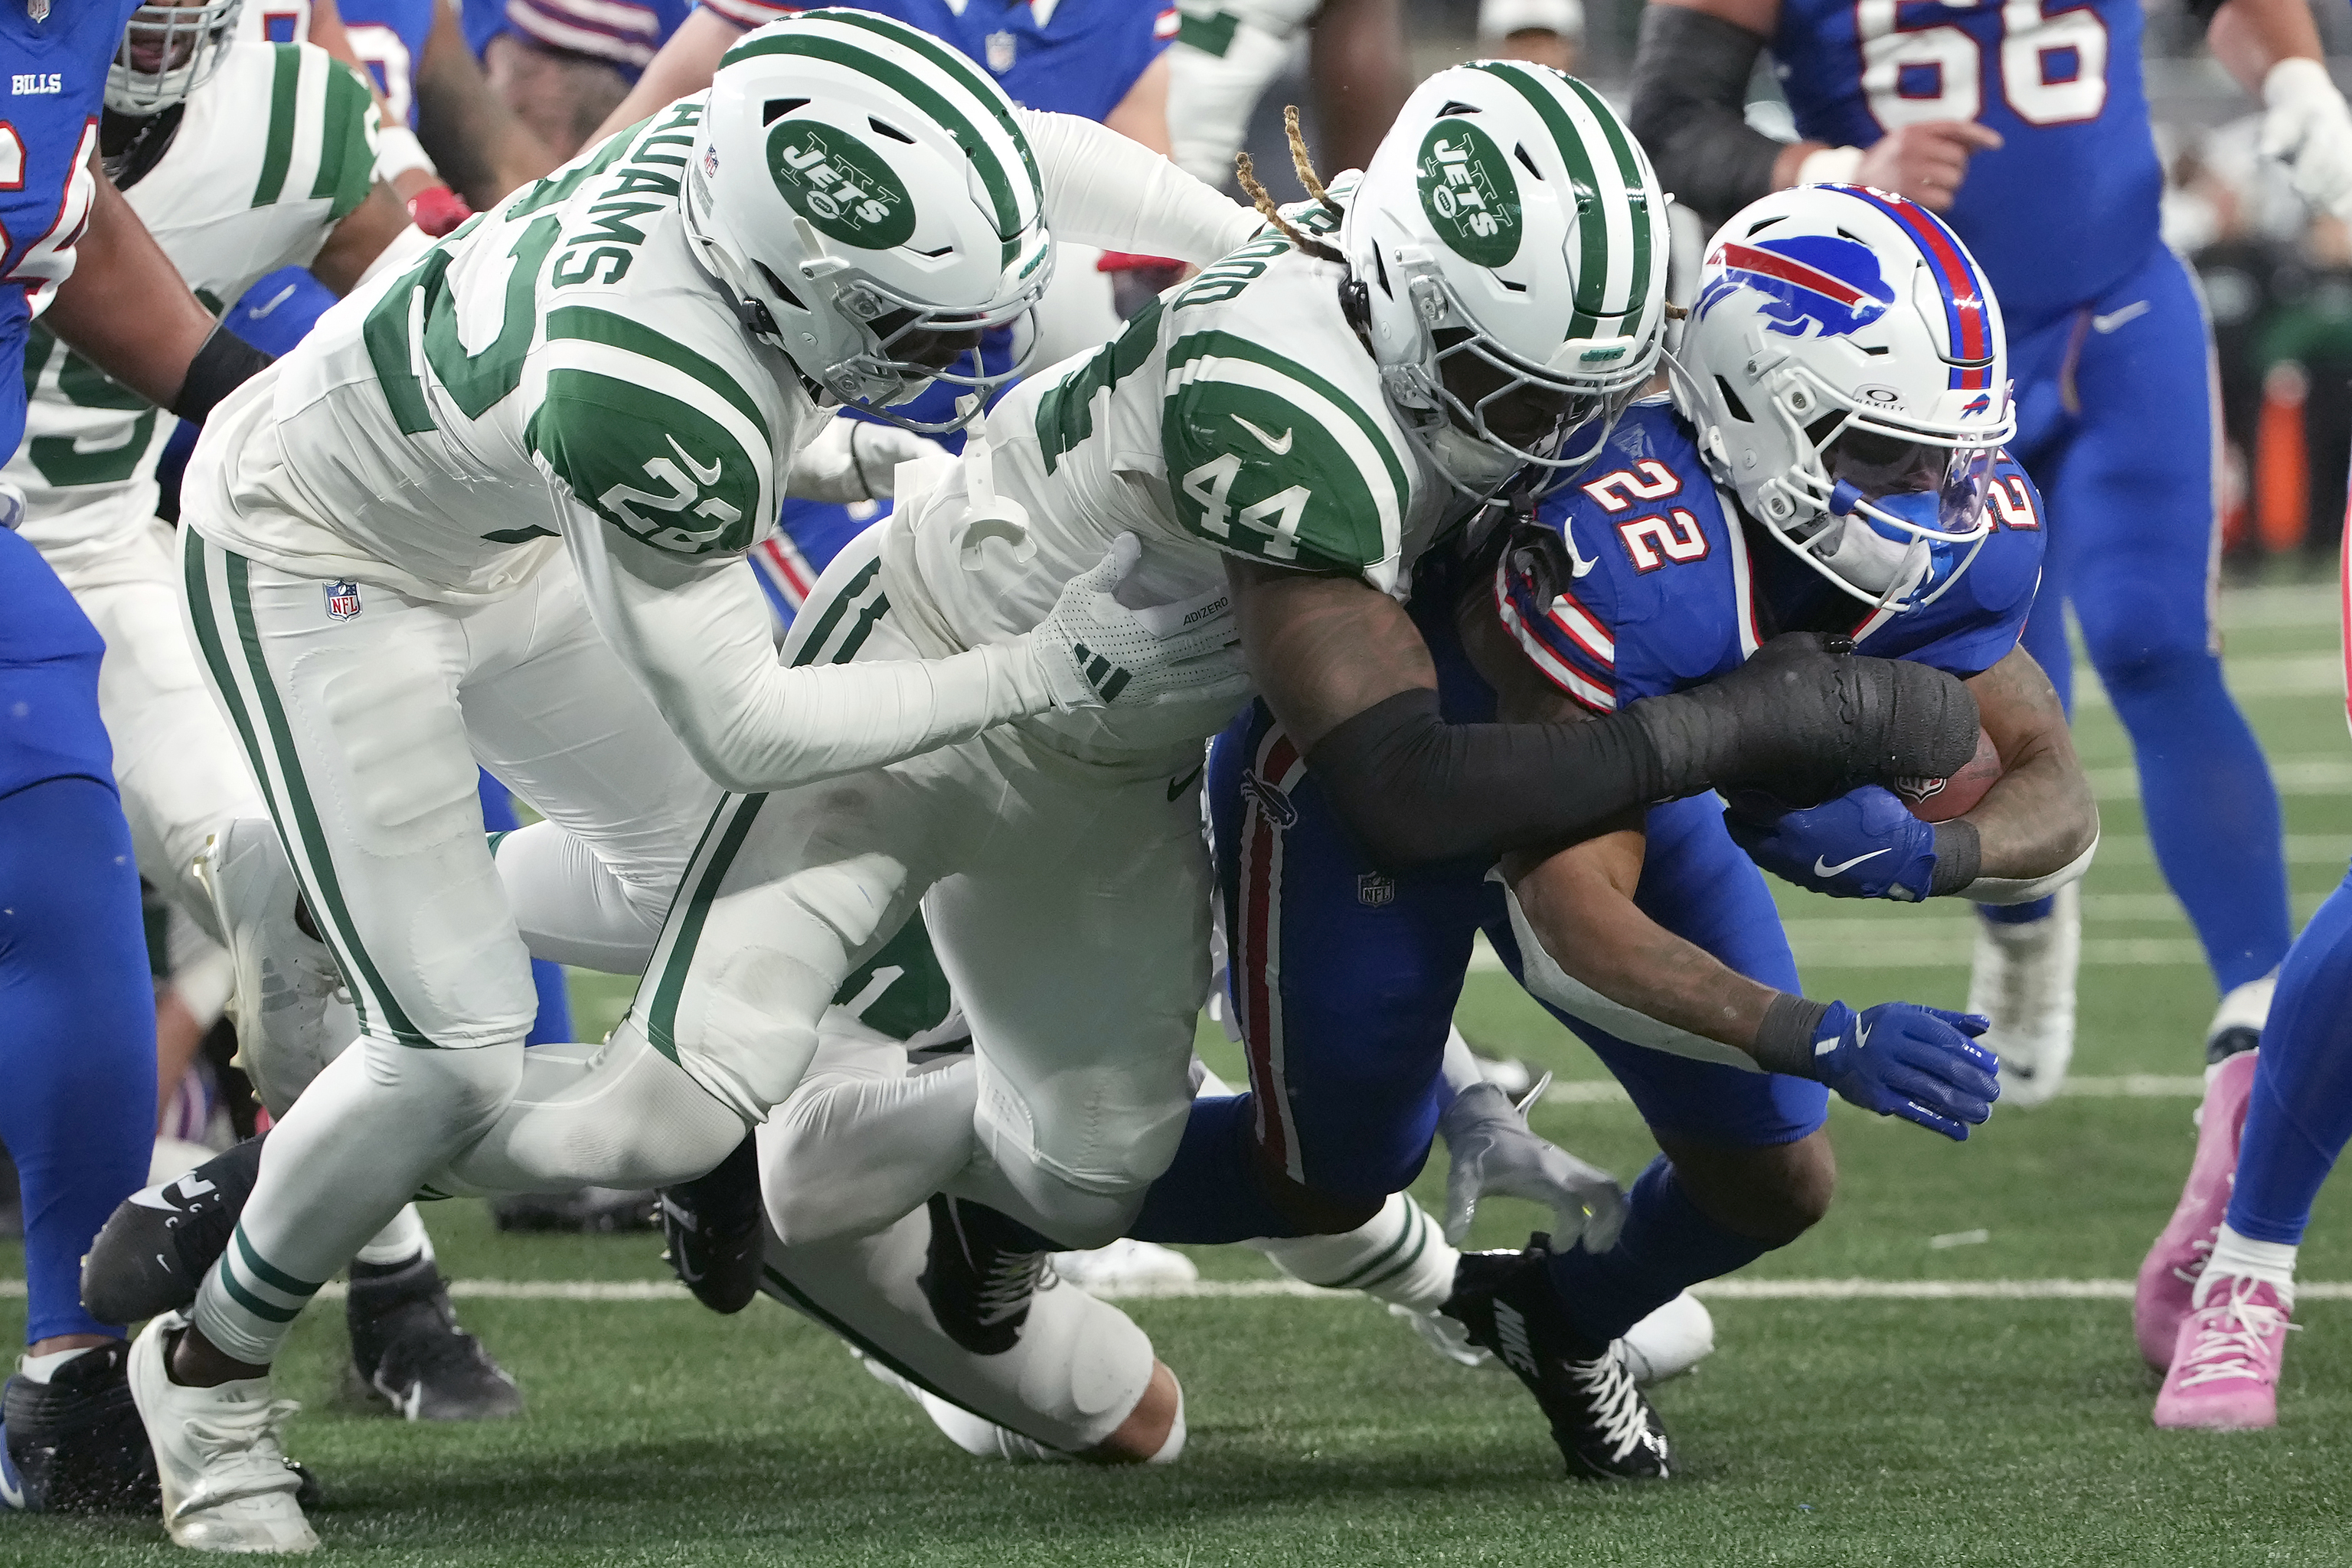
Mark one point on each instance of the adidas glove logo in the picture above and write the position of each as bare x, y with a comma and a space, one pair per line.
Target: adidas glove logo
1108, 678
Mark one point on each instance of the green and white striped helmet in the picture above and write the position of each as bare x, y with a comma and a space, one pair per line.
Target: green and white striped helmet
868, 196
1508, 248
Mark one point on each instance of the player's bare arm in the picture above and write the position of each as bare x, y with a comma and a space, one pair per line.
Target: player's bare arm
683, 65
1690, 83
1142, 115
2039, 817
358, 240
481, 148
1361, 76
126, 309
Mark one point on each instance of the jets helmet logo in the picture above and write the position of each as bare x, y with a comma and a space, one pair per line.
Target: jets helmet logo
843, 187
1469, 193
1818, 285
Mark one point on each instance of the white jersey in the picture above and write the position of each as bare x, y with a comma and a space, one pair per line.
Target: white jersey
274, 151
559, 361
1241, 415
1226, 53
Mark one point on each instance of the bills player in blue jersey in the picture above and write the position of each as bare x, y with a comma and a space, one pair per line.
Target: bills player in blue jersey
1828, 464
78, 1055
2027, 124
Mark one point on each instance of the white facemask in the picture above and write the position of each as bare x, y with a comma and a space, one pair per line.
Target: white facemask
1473, 463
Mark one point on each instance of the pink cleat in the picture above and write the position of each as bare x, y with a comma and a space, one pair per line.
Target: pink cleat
2167, 1276
2225, 1363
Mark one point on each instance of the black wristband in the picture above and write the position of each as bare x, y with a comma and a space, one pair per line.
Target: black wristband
1687, 107
1414, 790
1784, 1041
1959, 852
225, 362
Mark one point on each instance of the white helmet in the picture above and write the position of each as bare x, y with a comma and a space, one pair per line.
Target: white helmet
1846, 370
1507, 248
167, 52
866, 194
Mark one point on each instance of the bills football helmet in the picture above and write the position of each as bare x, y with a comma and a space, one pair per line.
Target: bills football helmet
867, 196
1845, 367
1507, 251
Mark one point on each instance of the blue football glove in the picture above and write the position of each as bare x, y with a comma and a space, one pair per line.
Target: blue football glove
1864, 844
1922, 1064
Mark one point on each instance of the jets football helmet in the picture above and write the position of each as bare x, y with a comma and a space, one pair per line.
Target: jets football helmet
166, 53
867, 196
1508, 252
1845, 367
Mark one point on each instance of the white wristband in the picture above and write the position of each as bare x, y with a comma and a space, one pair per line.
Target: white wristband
2025, 889
398, 151
1830, 167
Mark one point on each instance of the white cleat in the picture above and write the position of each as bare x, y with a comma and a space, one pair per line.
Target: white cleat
218, 1454
286, 981
2023, 980
1667, 1343
1127, 1267
2238, 1022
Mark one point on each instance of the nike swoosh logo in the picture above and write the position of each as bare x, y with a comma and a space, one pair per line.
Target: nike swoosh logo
1862, 1038
1821, 867
274, 300
1279, 448
2113, 319
708, 475
1181, 785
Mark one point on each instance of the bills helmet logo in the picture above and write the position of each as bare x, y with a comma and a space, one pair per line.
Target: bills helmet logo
1816, 285
343, 600
1977, 404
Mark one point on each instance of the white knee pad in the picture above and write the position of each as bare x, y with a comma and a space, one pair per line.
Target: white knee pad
866, 1137
1074, 1377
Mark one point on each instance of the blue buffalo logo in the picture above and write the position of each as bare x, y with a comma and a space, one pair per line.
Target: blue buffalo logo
1814, 285
1979, 403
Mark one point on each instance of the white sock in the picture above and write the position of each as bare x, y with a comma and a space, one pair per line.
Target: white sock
403, 1239
2273, 1262
41, 1368
1398, 1256
1173, 1449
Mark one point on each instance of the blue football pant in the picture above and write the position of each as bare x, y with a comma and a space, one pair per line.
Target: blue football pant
2300, 1114
2117, 424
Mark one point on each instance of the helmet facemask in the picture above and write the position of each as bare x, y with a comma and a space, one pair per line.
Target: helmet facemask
167, 52
912, 346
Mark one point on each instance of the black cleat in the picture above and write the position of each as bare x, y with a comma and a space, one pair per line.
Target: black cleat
712, 1224
157, 1245
408, 1352
75, 1444
983, 1270
1605, 1428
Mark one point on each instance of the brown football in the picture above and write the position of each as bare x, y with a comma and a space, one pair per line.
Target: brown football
1940, 800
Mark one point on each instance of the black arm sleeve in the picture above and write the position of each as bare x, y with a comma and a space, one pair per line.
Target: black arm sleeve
1690, 81
1415, 790
222, 364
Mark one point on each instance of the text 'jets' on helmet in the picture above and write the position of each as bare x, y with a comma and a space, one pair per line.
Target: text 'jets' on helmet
1508, 247
868, 196
1847, 372
166, 53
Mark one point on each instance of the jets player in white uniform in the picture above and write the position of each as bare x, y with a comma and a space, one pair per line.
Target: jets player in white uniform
1228, 52
487, 510
241, 157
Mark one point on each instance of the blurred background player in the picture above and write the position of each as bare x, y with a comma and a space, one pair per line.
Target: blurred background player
1229, 52
79, 1054
2020, 123
563, 66
1541, 32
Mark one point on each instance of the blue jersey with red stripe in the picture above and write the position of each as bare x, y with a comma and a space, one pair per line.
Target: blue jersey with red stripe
624, 34
2066, 206
1646, 581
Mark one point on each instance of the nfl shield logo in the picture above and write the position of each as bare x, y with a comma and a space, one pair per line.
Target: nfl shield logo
1000, 52
1374, 891
343, 600
38, 9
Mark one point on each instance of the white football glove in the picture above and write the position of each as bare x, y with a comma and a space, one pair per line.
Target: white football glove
853, 461
1096, 652
1492, 1152
2308, 128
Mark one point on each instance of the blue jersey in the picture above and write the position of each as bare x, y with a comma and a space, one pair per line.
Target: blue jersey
1644, 580
1064, 56
624, 34
389, 36
2067, 207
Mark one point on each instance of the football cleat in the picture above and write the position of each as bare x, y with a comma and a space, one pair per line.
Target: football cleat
713, 1227
2237, 1024
982, 1272
285, 979
154, 1249
2225, 1363
220, 1457
2169, 1274
1127, 1267
1605, 1428
408, 1352
74, 1444
1665, 1344
2023, 980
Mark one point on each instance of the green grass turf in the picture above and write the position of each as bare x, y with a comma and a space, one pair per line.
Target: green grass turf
1865, 1432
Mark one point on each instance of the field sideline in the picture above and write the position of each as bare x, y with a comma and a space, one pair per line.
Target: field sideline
1943, 1373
